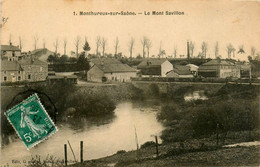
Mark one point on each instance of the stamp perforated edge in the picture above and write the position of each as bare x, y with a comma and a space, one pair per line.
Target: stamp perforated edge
46, 137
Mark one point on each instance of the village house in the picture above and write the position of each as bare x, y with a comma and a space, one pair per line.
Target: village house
245, 69
180, 71
193, 69
111, 72
10, 52
155, 67
219, 69
35, 70
11, 71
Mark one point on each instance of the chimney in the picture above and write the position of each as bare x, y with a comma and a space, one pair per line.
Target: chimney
188, 50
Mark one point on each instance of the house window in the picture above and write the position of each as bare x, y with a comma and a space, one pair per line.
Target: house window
19, 78
4, 72
29, 76
19, 72
112, 78
5, 78
13, 54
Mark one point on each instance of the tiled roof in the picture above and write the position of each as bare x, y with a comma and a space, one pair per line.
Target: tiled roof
181, 70
105, 61
151, 63
9, 48
29, 61
107, 68
213, 65
217, 62
10, 66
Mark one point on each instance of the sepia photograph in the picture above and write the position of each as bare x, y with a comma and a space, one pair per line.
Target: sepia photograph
129, 83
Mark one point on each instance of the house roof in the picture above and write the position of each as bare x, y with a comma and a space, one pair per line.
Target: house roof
105, 61
10, 66
9, 48
216, 62
192, 65
30, 61
151, 63
181, 70
107, 68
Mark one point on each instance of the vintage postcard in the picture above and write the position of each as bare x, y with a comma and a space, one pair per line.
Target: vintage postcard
135, 83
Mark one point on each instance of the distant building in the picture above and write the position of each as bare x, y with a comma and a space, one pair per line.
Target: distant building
11, 71
10, 52
193, 69
155, 67
180, 71
111, 72
219, 68
35, 70
245, 69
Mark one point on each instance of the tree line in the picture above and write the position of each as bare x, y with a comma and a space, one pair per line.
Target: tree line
146, 43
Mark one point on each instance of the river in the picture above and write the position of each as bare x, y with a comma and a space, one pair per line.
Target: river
101, 138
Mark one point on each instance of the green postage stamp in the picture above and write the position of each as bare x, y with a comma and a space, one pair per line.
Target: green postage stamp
31, 121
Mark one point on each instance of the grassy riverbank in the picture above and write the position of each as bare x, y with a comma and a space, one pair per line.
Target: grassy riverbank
235, 156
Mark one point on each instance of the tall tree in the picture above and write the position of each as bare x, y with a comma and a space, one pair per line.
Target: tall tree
230, 49
35, 41
144, 42
234, 52
131, 46
65, 41
175, 51
20, 43
253, 51
204, 49
98, 43
76, 43
86, 47
43, 43
148, 46
241, 49
216, 50
103, 44
192, 46
116, 45
56, 45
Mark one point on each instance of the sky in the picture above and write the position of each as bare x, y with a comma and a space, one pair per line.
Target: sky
235, 22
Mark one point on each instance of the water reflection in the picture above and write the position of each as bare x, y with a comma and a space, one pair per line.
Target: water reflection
195, 95
102, 137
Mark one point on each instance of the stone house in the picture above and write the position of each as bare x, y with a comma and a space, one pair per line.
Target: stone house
219, 69
10, 52
155, 67
111, 72
35, 70
180, 71
11, 71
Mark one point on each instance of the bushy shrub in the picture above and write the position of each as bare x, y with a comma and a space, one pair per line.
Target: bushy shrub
148, 144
